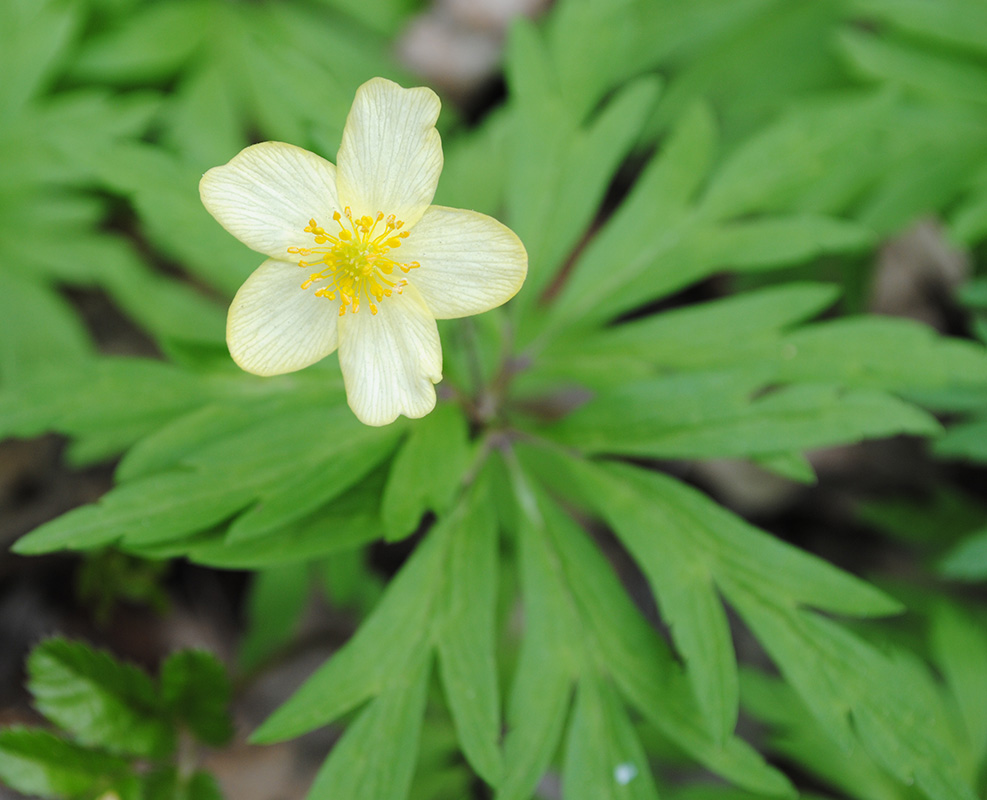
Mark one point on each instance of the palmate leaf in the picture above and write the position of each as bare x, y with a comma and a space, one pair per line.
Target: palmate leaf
895, 716
938, 76
959, 648
590, 629
757, 331
667, 235
33, 42
548, 662
100, 701
795, 736
721, 333
740, 69
962, 23
618, 769
465, 639
213, 445
353, 522
559, 169
852, 689
231, 63
44, 168
427, 607
389, 639
735, 378
686, 417
815, 158
375, 759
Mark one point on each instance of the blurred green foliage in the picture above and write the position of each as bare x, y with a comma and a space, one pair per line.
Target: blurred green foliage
644, 147
122, 734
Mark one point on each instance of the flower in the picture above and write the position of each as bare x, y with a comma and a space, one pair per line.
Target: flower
357, 257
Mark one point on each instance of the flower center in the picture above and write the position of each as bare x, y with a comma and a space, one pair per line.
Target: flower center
356, 262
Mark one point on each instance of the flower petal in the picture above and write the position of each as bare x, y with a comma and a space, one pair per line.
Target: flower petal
268, 192
274, 326
390, 360
469, 262
391, 155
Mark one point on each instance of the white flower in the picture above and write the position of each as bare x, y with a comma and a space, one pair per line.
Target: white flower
357, 257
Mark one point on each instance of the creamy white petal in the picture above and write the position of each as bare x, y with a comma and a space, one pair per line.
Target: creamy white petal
390, 360
268, 192
391, 155
470, 262
274, 326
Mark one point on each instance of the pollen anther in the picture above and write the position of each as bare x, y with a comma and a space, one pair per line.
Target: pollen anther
356, 261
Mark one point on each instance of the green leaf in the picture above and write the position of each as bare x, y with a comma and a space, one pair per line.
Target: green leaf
789, 575
166, 308
277, 598
744, 327
770, 242
815, 158
345, 461
168, 784
713, 416
385, 16
375, 759
757, 57
540, 694
966, 440
881, 353
36, 762
466, 636
438, 446
644, 227
926, 72
960, 650
793, 466
38, 327
681, 577
159, 508
354, 522
151, 43
100, 701
377, 654
958, 22
197, 692
131, 394
796, 736
892, 706
216, 481
967, 560
473, 172
604, 759
628, 648
559, 170
34, 40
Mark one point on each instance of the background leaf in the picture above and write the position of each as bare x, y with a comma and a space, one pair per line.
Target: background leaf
100, 701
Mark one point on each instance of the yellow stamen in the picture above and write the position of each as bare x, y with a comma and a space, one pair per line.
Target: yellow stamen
354, 262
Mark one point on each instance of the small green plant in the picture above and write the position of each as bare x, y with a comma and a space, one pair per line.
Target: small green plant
118, 733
